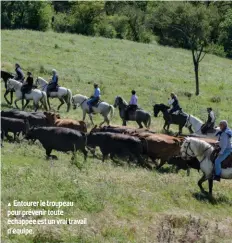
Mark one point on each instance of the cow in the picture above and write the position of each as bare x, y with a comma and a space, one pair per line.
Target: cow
59, 138
14, 125
116, 144
182, 164
159, 146
55, 120
34, 118
120, 129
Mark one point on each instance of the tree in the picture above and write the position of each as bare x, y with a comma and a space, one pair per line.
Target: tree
188, 25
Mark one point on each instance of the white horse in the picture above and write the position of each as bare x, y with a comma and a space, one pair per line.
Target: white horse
63, 94
103, 108
36, 95
196, 124
193, 147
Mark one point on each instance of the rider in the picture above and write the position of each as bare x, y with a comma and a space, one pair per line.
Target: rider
210, 123
96, 96
19, 73
133, 103
27, 86
175, 104
53, 82
224, 139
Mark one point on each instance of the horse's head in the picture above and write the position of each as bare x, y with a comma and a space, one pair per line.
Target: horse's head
116, 101
73, 103
160, 107
193, 147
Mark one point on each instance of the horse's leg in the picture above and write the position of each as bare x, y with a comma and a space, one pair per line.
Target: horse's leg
84, 115
91, 119
16, 102
124, 122
62, 102
203, 179
5, 96
105, 120
49, 106
210, 182
139, 123
11, 96
27, 102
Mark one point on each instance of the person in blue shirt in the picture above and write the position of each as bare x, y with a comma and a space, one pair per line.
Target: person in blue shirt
224, 143
95, 98
19, 73
53, 82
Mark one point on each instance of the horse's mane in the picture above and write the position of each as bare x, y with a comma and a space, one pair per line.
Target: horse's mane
201, 145
123, 101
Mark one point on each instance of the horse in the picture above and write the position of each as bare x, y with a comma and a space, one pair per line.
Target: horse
140, 116
197, 124
103, 108
36, 95
193, 147
5, 76
63, 94
180, 119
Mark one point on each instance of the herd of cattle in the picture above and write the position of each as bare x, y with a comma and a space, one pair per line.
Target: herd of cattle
140, 146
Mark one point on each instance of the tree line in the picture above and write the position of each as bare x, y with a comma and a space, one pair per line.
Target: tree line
203, 27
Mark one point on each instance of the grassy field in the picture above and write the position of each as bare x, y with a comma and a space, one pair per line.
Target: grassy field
121, 203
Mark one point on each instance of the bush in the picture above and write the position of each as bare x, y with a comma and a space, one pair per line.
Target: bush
63, 23
105, 29
216, 50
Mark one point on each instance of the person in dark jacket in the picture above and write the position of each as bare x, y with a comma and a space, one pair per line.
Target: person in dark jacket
53, 82
19, 73
210, 123
27, 86
174, 102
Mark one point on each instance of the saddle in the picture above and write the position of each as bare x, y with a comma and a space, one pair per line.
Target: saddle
96, 103
227, 163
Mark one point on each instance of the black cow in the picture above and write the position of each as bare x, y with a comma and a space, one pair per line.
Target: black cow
14, 125
59, 138
116, 144
34, 118
182, 164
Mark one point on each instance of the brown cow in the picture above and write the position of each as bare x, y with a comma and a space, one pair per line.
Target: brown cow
55, 120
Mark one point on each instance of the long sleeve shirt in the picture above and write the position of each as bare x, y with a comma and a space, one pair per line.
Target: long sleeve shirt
97, 93
19, 73
54, 79
225, 140
133, 100
211, 117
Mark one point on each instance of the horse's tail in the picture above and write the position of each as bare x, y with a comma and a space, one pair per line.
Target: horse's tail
69, 98
149, 120
111, 111
44, 100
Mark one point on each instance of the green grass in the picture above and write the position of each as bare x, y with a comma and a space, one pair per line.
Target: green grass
121, 203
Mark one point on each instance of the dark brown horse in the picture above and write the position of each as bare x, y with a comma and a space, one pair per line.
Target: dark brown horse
5, 76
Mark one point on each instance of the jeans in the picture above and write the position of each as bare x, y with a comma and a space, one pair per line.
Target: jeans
219, 160
90, 101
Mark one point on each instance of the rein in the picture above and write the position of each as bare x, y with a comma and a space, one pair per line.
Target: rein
81, 103
188, 155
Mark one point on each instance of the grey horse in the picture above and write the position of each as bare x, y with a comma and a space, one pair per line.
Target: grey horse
140, 116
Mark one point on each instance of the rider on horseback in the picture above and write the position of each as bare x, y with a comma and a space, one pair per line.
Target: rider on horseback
133, 103
53, 82
94, 98
19, 73
175, 104
210, 123
27, 86
225, 147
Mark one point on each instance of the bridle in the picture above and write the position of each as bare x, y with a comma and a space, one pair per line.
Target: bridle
42, 87
187, 155
79, 104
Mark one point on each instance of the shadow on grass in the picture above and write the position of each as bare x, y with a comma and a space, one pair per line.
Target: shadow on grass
214, 200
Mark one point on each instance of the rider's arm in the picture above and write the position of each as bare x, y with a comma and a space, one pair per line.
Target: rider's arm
170, 101
223, 142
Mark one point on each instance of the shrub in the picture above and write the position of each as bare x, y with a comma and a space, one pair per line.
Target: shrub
216, 50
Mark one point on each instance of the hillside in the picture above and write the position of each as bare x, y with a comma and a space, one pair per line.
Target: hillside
121, 203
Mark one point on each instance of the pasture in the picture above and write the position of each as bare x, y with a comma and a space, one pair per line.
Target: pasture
121, 203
